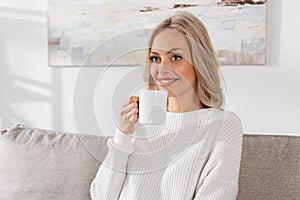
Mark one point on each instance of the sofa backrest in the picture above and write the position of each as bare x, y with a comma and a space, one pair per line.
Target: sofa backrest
270, 168
40, 164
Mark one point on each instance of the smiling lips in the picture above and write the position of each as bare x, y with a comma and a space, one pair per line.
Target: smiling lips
167, 81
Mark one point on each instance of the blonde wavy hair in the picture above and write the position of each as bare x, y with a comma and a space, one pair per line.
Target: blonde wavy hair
207, 70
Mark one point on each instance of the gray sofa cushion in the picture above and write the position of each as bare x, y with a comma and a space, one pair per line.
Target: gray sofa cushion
270, 168
38, 164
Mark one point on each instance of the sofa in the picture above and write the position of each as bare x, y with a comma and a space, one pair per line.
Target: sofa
37, 164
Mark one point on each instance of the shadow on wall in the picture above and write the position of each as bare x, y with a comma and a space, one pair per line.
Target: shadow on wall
19, 46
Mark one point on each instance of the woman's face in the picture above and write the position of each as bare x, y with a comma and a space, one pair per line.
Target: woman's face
170, 63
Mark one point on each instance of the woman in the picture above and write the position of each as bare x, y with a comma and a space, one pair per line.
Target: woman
196, 153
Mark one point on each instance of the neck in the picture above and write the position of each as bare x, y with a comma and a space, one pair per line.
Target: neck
184, 103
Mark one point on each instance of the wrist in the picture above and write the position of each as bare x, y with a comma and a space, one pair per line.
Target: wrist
125, 131
122, 139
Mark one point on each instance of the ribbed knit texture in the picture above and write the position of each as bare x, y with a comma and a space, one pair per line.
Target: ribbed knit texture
194, 155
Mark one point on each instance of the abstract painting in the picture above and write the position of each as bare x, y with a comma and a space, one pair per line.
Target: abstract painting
115, 32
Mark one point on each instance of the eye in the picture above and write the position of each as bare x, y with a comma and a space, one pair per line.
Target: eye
176, 58
154, 58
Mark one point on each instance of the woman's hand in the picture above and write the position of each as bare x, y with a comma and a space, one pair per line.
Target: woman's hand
129, 115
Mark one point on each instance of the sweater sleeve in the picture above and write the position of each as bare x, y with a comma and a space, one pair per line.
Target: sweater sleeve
111, 174
219, 178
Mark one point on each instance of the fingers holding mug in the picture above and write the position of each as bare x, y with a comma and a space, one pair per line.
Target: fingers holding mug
129, 115
135, 112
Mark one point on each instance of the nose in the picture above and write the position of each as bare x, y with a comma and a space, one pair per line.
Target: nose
164, 66
163, 69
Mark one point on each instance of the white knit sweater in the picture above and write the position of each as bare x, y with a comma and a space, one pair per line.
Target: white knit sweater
194, 155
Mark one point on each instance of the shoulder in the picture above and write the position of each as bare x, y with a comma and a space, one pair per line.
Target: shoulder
231, 117
227, 116
231, 124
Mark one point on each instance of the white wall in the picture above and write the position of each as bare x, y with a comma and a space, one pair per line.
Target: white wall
267, 98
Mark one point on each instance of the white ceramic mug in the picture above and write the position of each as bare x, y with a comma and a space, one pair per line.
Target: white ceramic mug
152, 106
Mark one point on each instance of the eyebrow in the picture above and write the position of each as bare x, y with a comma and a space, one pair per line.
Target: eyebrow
170, 51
